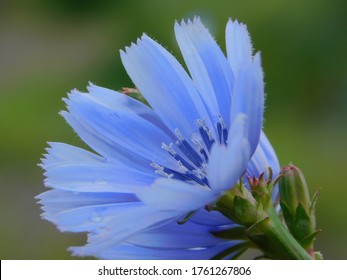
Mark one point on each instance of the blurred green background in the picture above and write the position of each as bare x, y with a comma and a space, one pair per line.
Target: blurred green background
49, 47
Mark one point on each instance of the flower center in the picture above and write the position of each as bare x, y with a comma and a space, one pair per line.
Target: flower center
192, 160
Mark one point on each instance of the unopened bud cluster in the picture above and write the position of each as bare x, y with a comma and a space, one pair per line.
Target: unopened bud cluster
247, 206
250, 204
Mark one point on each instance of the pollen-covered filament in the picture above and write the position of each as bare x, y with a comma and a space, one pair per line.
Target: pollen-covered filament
192, 161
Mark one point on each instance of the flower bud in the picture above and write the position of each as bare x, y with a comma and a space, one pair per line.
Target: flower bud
239, 205
261, 190
297, 207
293, 188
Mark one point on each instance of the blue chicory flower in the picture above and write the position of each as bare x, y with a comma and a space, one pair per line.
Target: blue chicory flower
153, 165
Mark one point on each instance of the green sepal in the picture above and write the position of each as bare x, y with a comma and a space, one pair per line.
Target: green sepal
300, 225
245, 211
312, 210
303, 223
262, 257
225, 204
234, 233
239, 205
288, 217
314, 202
309, 240
238, 254
187, 217
238, 248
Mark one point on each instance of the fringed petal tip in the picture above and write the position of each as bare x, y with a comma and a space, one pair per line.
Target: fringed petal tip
239, 45
193, 25
135, 45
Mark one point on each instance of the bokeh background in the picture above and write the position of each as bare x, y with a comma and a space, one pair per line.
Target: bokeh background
48, 47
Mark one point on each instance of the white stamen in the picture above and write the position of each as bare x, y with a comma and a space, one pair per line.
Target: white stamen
198, 173
197, 142
181, 167
221, 121
202, 123
160, 170
168, 148
178, 134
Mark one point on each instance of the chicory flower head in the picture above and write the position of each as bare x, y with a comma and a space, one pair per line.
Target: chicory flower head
151, 166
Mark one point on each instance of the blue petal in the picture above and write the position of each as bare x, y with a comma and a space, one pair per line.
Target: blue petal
131, 220
71, 168
92, 217
118, 135
270, 154
119, 101
263, 158
130, 252
175, 236
175, 195
227, 163
248, 99
116, 100
56, 201
239, 47
76, 217
164, 84
211, 219
96, 177
208, 67
59, 153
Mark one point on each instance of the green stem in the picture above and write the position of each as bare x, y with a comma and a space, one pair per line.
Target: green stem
274, 239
